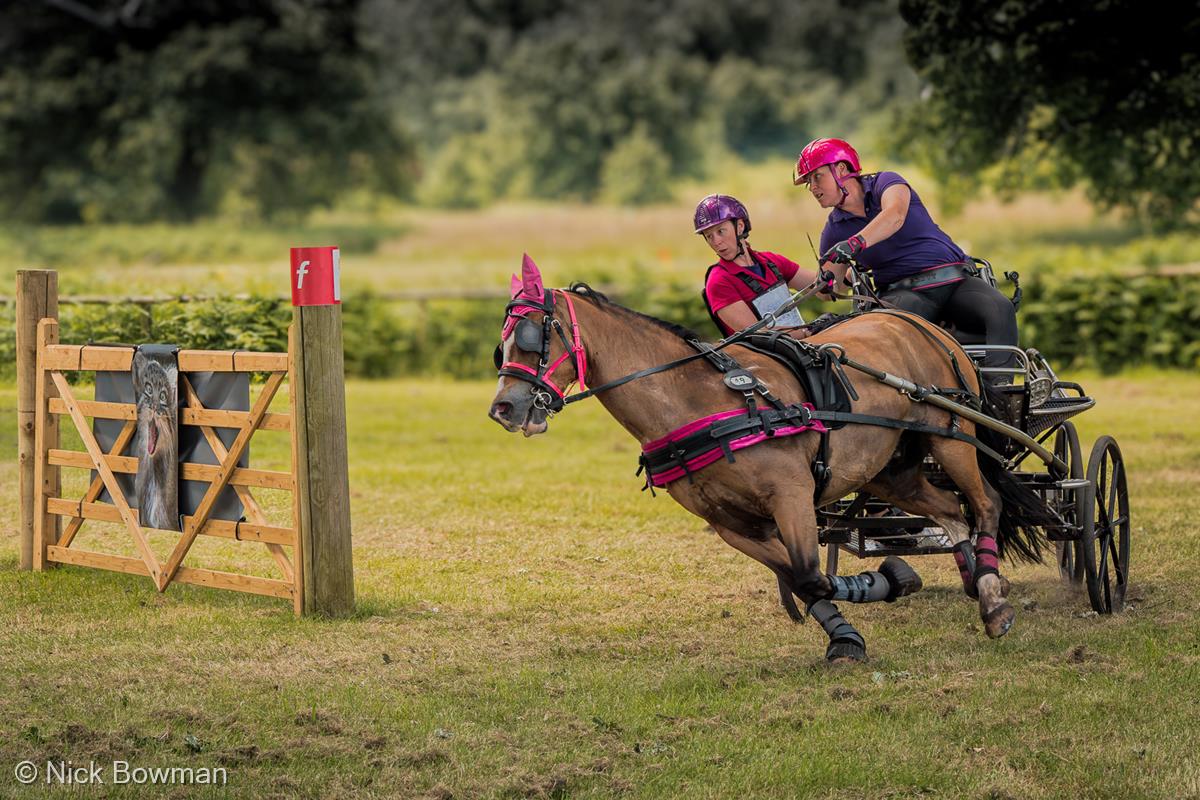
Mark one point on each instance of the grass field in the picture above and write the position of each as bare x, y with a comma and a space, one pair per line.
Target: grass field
404, 248
531, 625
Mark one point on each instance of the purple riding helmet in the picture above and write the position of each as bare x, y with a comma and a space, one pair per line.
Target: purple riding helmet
716, 208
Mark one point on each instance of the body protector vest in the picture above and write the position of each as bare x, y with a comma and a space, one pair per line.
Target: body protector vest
766, 298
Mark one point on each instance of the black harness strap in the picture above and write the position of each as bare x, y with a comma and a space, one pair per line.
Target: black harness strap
723, 362
718, 435
820, 374
887, 422
634, 376
817, 372
752, 283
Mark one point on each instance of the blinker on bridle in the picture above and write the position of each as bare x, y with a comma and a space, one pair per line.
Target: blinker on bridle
534, 338
530, 337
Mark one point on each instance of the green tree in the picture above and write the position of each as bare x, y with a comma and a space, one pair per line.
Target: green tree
636, 171
553, 88
1107, 92
128, 110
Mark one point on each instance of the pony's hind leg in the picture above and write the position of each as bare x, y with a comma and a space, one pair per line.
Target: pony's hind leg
911, 491
959, 460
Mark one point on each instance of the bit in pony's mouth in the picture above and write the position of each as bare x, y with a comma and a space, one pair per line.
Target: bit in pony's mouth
532, 424
535, 422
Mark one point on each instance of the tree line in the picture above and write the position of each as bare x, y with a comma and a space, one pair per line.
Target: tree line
130, 110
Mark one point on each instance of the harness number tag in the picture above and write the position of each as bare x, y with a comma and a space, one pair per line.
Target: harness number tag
740, 380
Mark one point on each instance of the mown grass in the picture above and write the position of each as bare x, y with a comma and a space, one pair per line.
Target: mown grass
390, 248
530, 624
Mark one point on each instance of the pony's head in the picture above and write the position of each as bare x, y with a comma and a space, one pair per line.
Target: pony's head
537, 358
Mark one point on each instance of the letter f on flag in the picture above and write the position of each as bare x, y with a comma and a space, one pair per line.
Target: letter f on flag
315, 276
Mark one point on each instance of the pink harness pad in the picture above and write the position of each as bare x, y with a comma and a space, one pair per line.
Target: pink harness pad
717, 450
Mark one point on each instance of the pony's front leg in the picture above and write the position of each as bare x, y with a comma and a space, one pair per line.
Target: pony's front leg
797, 520
845, 643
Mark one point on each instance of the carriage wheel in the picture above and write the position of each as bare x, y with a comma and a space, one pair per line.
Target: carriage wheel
1070, 554
1103, 508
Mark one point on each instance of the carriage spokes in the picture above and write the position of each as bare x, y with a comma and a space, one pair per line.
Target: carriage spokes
1104, 513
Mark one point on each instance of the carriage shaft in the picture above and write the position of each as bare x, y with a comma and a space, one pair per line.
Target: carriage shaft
919, 394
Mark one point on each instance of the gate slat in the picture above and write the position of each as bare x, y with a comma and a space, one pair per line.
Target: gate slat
193, 575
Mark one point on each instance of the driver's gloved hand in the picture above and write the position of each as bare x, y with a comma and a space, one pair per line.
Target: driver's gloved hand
845, 251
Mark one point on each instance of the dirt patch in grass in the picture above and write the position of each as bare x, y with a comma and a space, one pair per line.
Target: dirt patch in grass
320, 721
423, 758
561, 781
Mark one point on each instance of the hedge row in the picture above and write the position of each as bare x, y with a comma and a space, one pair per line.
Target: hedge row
1108, 322
1114, 321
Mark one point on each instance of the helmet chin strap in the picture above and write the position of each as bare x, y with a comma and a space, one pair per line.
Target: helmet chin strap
841, 188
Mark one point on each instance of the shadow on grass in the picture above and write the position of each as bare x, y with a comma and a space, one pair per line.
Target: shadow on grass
94, 588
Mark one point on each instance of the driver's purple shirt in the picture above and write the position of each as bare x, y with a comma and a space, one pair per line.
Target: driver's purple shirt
919, 244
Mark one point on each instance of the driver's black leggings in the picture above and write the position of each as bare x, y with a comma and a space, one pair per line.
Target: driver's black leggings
972, 305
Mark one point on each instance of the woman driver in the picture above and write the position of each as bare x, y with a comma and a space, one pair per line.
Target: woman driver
878, 220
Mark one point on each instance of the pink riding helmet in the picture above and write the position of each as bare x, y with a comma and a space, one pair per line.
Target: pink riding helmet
716, 208
822, 152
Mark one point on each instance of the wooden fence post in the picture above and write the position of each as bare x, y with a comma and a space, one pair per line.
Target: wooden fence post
37, 298
322, 480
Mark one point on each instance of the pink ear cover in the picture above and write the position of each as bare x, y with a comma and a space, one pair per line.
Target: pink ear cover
528, 285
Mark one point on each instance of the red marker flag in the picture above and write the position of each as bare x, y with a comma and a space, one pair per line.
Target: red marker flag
316, 276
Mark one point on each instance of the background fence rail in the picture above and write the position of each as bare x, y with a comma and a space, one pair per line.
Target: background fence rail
1108, 321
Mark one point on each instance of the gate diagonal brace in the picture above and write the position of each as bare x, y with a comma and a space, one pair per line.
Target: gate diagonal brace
93, 492
253, 509
109, 480
222, 478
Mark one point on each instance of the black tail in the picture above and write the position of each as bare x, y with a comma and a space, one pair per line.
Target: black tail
1023, 512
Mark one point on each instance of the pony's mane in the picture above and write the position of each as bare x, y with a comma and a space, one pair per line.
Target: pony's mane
599, 298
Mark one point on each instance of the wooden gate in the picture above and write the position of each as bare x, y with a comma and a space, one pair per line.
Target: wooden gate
55, 398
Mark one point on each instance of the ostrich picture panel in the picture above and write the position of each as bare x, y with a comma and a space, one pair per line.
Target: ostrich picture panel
156, 388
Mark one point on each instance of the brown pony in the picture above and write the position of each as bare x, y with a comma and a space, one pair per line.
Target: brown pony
763, 504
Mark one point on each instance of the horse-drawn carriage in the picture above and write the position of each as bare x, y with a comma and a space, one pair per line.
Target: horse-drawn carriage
925, 430
1087, 504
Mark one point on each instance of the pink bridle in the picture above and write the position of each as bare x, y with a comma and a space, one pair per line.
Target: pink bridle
547, 395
